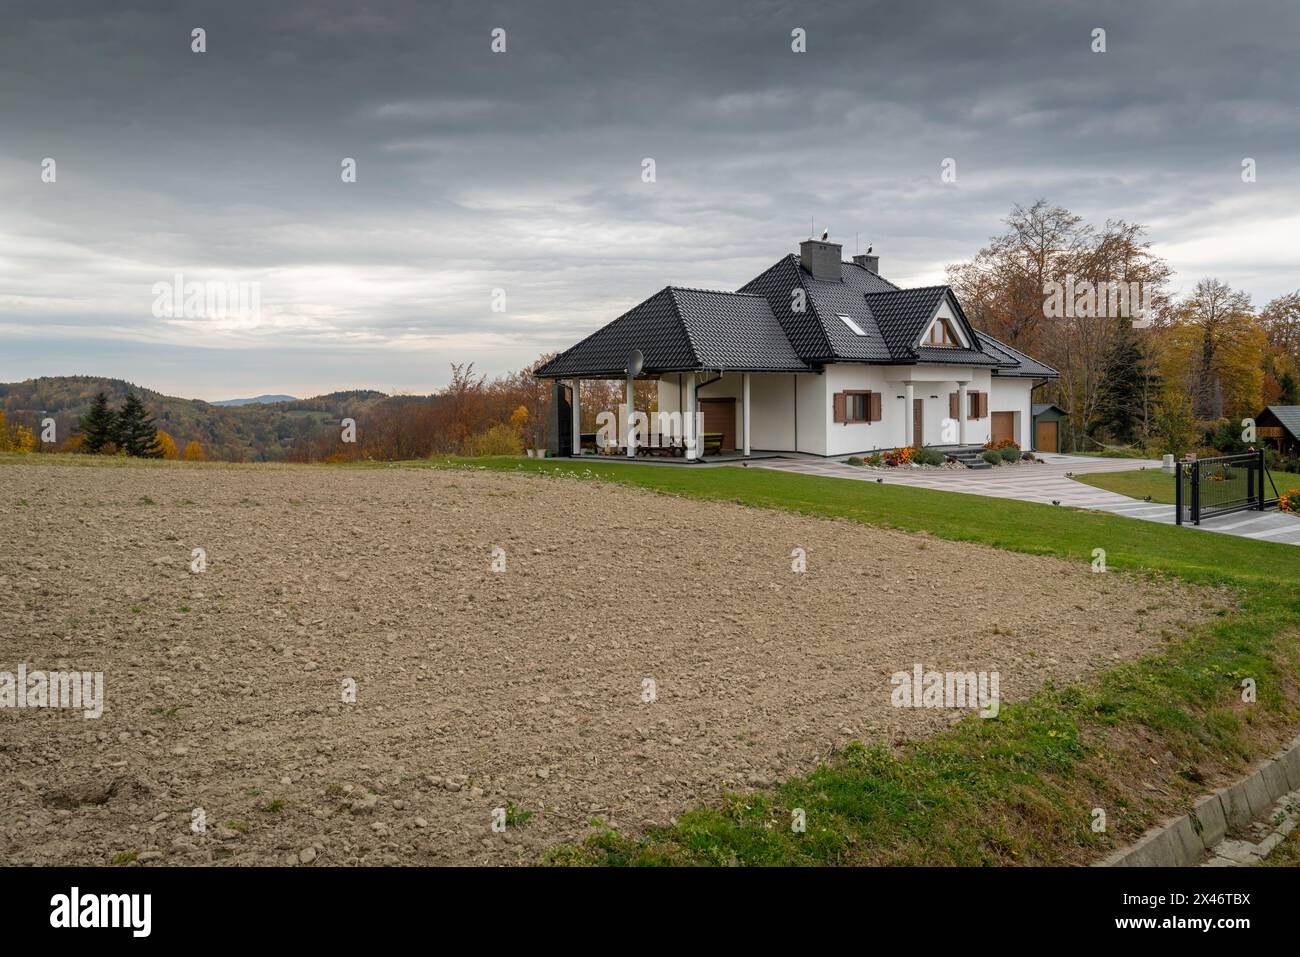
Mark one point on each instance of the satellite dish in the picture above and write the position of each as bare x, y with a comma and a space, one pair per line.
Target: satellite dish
635, 362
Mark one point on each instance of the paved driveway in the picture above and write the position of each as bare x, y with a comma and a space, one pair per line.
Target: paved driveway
1048, 484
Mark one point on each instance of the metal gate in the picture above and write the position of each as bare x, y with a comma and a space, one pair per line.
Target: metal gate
1222, 484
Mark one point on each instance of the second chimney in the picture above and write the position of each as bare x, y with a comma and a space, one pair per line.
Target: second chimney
821, 258
869, 262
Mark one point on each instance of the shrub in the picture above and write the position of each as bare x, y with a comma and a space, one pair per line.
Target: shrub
854, 460
1001, 444
501, 439
876, 459
1226, 437
993, 458
1290, 501
901, 456
925, 456
1010, 453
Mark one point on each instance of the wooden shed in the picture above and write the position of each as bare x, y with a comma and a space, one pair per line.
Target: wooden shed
1047, 426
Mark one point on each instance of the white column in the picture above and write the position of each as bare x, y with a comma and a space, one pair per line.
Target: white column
909, 391
962, 407
689, 434
631, 435
577, 417
744, 413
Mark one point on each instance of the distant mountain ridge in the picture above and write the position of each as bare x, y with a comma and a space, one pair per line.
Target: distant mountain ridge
256, 400
249, 432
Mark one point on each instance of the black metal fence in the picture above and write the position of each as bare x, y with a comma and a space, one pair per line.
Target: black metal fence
1222, 484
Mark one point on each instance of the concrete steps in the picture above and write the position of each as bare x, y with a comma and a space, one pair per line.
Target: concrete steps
968, 455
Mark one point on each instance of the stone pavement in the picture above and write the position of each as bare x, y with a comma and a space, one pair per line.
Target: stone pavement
1048, 484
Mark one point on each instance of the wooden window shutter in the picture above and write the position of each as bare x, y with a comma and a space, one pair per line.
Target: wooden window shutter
973, 405
984, 405
841, 410
873, 410
954, 410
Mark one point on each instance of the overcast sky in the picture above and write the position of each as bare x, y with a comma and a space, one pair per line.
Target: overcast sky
522, 170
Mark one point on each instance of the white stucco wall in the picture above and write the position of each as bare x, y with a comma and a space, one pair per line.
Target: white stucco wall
932, 384
775, 398
1015, 395
888, 433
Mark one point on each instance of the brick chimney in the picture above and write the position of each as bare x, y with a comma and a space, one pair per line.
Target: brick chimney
821, 258
867, 261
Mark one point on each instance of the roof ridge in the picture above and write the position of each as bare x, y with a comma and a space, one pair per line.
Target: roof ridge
717, 292
890, 292
681, 319
810, 303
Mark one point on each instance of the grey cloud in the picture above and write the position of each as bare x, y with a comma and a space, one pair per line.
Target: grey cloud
522, 171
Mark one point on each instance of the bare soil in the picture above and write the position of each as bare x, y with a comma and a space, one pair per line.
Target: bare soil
475, 690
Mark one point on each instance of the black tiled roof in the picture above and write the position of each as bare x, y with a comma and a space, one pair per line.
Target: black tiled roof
776, 285
679, 330
758, 329
734, 331
1013, 362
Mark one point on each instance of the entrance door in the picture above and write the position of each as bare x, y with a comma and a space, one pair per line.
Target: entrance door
918, 422
1046, 438
1004, 426
720, 417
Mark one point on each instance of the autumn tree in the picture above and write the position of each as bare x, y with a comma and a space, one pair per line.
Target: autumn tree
1280, 320
1006, 291
166, 445
194, 452
1212, 345
15, 438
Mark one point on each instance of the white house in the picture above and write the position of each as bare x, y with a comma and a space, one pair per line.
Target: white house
816, 356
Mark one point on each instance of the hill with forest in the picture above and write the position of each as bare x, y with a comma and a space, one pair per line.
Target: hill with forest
253, 432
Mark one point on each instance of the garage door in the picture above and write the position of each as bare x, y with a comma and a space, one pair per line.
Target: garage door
1046, 439
1004, 426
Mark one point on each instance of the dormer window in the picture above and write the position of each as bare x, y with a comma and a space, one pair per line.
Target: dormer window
940, 335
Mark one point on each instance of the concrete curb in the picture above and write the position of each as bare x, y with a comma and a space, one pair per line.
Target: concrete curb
1184, 841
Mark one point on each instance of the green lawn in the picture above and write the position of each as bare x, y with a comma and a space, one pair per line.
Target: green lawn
1155, 483
1142, 742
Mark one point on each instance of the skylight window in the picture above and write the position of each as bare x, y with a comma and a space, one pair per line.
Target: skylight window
857, 329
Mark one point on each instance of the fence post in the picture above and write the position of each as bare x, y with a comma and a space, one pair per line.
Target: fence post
1178, 493
1259, 502
1196, 492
